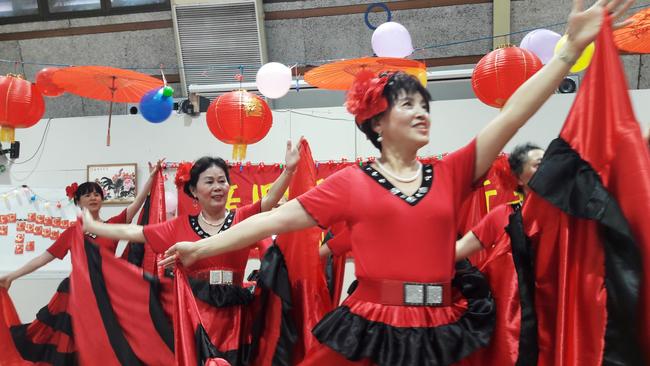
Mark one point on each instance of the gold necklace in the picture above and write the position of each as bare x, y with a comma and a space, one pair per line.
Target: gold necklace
211, 224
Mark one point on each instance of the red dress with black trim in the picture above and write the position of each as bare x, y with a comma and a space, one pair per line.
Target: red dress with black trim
222, 307
399, 238
49, 338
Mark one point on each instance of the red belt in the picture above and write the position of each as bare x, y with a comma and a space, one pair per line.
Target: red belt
219, 277
390, 292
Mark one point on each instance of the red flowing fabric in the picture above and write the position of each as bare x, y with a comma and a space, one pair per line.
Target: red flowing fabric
571, 299
186, 320
157, 214
9, 317
110, 309
309, 294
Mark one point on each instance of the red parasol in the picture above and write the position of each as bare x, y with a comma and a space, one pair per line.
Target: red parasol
635, 37
340, 75
106, 83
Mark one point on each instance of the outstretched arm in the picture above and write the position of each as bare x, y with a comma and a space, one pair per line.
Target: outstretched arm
136, 205
291, 159
29, 267
130, 232
583, 27
289, 217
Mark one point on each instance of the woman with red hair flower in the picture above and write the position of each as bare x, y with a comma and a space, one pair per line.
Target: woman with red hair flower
49, 339
412, 305
217, 282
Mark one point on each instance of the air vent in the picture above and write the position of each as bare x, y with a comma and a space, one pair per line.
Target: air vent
215, 38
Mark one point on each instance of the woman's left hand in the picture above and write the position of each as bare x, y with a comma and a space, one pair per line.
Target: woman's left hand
584, 25
292, 157
153, 169
184, 251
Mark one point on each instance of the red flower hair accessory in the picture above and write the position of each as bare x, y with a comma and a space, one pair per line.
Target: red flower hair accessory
71, 190
183, 174
501, 175
366, 98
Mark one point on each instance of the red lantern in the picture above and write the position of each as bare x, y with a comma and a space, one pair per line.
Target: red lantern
21, 105
499, 73
239, 118
46, 85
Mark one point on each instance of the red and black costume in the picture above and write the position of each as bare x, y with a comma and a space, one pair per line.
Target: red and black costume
49, 339
223, 308
398, 241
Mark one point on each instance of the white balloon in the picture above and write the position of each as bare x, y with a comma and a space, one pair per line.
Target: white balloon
391, 40
171, 201
273, 80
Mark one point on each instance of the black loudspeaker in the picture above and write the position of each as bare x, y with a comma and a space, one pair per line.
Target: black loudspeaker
569, 85
14, 151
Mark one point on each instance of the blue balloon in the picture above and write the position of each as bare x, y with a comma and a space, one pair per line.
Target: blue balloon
155, 106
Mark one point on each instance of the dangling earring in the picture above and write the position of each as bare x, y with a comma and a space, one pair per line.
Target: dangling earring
195, 203
379, 138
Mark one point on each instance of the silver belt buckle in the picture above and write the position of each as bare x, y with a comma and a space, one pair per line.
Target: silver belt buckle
221, 277
423, 294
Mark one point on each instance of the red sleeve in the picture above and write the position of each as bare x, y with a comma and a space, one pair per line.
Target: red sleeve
327, 202
462, 163
339, 244
492, 226
161, 236
118, 219
62, 245
247, 211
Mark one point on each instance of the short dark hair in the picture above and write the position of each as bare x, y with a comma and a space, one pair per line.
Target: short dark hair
201, 165
397, 83
519, 156
86, 188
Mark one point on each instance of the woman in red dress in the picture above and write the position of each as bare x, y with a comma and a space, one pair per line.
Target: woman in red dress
49, 339
412, 306
217, 282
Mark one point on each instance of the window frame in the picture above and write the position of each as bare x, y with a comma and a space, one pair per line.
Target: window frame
44, 13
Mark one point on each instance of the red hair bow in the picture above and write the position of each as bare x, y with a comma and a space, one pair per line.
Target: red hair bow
366, 98
71, 190
183, 174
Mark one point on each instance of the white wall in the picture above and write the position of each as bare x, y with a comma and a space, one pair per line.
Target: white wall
73, 143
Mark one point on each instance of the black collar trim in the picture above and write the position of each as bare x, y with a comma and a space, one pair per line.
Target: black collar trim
425, 186
194, 223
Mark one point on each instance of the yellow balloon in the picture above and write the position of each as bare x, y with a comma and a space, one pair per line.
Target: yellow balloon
584, 60
420, 74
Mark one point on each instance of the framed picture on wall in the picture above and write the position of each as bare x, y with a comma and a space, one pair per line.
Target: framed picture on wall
118, 181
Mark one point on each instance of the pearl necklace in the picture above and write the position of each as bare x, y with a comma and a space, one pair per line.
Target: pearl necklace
400, 179
211, 224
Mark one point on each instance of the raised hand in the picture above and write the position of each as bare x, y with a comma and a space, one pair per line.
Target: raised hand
584, 25
292, 157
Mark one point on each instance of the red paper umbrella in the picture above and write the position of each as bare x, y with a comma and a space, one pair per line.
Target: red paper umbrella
635, 37
340, 75
499, 73
106, 83
239, 118
21, 105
